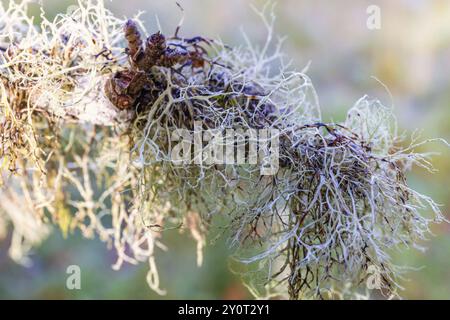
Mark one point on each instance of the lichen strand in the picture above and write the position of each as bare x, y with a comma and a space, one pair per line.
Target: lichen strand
87, 112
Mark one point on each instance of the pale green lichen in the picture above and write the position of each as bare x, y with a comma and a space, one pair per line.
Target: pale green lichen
337, 204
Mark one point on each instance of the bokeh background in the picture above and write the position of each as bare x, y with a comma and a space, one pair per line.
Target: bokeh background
410, 54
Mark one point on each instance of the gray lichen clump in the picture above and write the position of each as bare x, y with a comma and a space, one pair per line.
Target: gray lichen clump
87, 111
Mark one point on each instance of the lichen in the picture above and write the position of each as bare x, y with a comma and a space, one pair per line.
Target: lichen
81, 161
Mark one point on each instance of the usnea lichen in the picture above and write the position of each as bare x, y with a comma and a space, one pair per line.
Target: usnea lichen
73, 158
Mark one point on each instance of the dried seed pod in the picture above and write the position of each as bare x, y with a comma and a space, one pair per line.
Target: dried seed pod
154, 50
157, 53
156, 43
133, 37
124, 88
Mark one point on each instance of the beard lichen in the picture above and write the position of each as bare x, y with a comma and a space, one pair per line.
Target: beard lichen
87, 113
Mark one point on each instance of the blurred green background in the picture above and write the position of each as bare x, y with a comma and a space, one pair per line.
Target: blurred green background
410, 54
